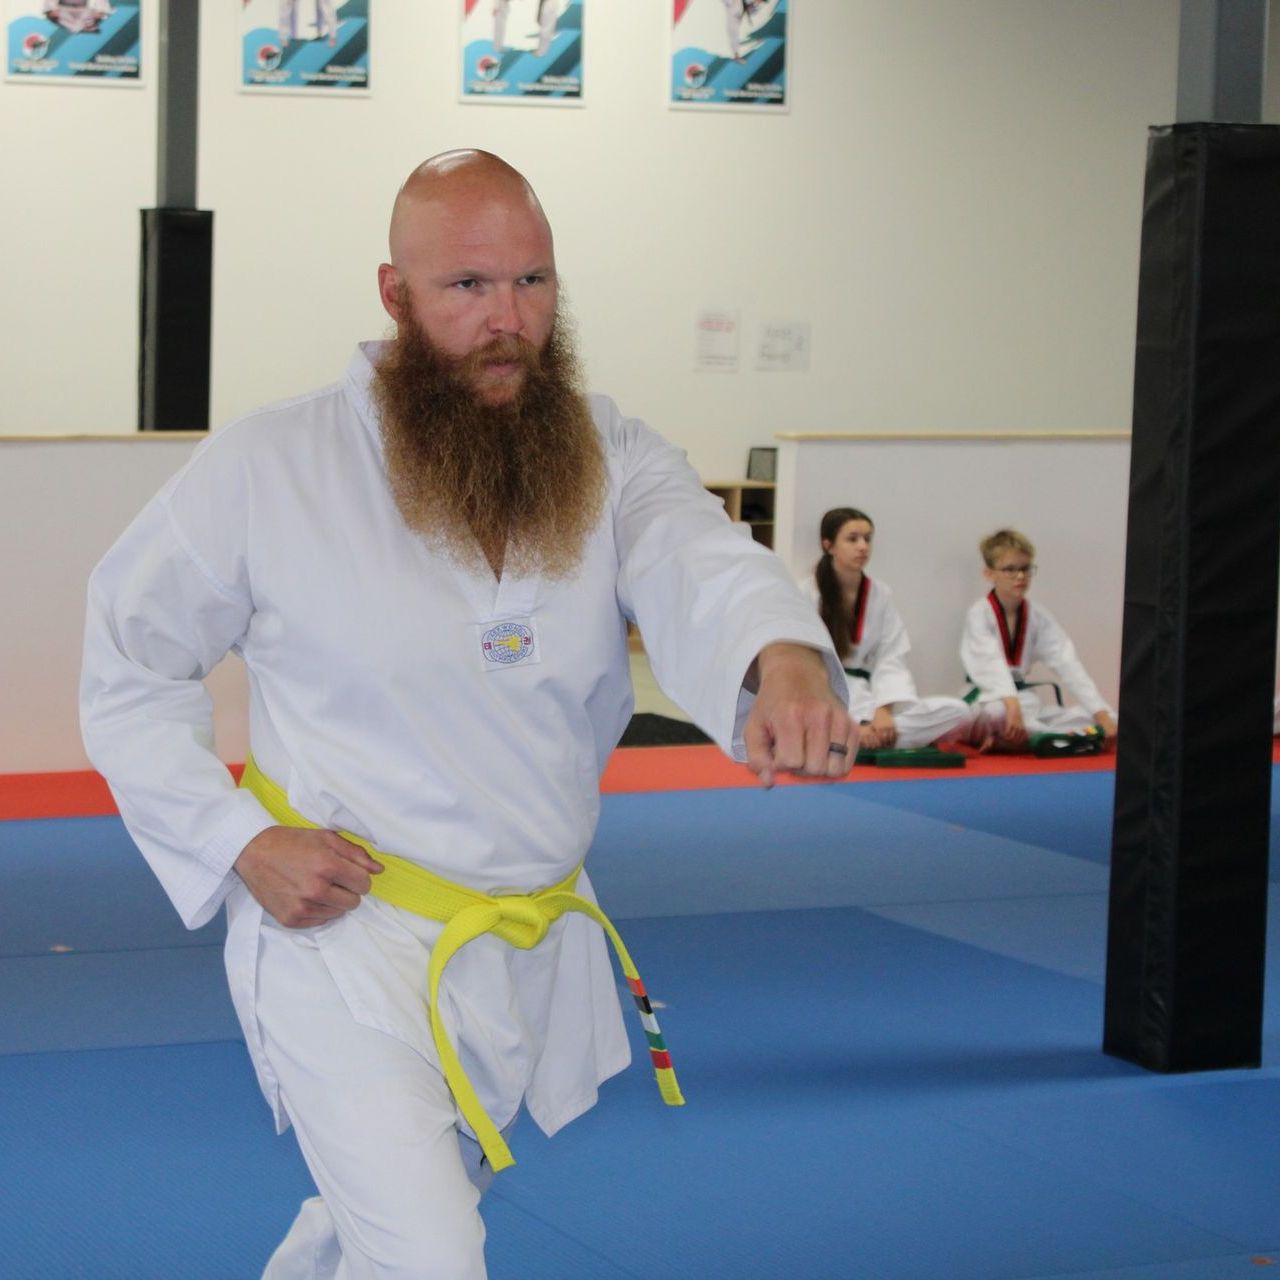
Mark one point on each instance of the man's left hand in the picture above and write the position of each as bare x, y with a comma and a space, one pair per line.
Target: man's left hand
797, 724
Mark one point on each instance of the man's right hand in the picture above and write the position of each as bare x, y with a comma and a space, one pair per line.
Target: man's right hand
304, 877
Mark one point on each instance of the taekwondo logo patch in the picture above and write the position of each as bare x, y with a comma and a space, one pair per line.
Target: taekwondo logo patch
508, 643
268, 57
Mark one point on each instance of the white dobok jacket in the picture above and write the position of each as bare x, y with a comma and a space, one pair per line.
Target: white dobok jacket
376, 700
986, 665
882, 647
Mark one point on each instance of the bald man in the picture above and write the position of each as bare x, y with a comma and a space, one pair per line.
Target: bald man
428, 569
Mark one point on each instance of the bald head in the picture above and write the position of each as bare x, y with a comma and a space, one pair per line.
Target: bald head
472, 261
463, 180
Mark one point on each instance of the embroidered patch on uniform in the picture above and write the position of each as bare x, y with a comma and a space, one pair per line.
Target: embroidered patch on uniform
509, 644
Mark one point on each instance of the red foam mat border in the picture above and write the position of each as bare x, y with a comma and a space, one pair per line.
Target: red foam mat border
84, 794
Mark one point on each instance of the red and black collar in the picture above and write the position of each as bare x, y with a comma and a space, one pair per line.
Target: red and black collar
1013, 644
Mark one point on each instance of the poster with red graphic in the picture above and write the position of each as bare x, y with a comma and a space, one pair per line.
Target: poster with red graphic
305, 46
522, 51
73, 42
730, 54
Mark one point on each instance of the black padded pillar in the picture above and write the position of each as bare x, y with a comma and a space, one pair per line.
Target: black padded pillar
177, 286
177, 244
1187, 917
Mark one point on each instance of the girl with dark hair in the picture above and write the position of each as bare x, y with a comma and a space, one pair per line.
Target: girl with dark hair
868, 634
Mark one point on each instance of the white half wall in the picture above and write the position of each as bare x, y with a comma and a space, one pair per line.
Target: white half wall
62, 504
64, 501
933, 499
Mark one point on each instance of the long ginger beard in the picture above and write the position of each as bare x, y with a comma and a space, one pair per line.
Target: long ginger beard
516, 486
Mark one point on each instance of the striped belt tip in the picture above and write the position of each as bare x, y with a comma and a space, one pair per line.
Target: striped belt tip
658, 1051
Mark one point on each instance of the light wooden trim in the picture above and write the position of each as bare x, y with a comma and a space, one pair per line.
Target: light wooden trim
953, 435
117, 437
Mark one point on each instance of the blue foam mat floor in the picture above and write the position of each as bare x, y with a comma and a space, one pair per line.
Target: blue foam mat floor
903, 1082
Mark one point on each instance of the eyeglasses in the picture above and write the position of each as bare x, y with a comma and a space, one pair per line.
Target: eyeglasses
1018, 571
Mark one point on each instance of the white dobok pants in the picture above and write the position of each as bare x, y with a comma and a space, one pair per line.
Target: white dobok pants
919, 721
548, 13
734, 11
399, 1185
326, 20
1037, 716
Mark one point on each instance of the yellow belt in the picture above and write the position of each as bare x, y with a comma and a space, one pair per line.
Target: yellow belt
519, 919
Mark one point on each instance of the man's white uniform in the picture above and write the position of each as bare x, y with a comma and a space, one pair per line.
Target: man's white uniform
996, 664
878, 676
373, 702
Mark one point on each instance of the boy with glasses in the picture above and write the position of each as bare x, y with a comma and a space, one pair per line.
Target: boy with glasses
1005, 635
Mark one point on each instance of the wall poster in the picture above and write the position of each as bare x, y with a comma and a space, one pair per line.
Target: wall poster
522, 51
729, 53
74, 41
305, 46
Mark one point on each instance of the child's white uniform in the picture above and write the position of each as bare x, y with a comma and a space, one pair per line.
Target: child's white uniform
876, 668
996, 665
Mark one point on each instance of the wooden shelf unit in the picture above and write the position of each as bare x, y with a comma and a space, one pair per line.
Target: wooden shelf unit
749, 501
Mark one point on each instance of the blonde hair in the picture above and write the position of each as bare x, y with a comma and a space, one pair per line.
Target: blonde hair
1005, 540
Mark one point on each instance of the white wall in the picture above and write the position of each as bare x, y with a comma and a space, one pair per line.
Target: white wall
953, 203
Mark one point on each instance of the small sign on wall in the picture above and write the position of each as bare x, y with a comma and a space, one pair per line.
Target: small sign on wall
522, 51
305, 46
783, 346
716, 349
729, 53
74, 42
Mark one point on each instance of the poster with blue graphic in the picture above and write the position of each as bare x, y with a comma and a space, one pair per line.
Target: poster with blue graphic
730, 53
74, 41
305, 46
522, 51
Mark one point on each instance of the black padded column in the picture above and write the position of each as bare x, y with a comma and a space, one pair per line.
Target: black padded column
177, 245
176, 317
1187, 917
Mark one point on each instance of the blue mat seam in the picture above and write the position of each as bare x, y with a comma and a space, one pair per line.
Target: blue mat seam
516, 1207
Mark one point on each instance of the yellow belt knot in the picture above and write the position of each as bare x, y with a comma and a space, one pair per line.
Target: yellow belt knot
519, 919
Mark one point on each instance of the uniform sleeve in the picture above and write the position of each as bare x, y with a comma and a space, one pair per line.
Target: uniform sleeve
982, 655
1057, 651
160, 616
706, 597
891, 679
